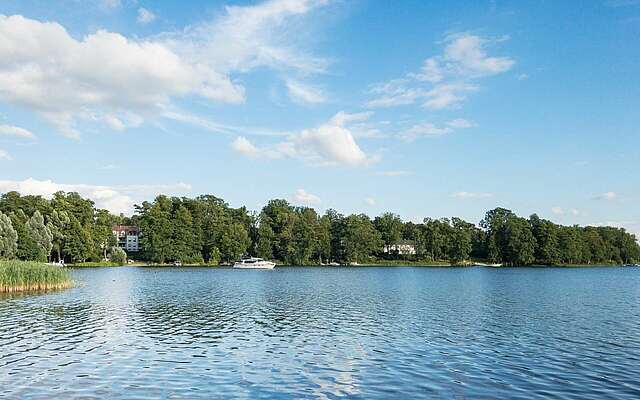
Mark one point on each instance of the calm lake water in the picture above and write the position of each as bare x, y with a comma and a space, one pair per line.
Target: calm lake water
370, 333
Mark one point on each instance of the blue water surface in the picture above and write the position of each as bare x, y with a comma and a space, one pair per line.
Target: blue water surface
368, 333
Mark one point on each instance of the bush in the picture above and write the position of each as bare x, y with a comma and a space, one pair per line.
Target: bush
118, 255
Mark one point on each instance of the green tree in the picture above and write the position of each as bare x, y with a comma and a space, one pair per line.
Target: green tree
390, 227
78, 244
460, 245
519, 242
265, 242
40, 234
8, 238
157, 229
184, 246
28, 248
102, 233
337, 231
494, 223
546, 233
361, 239
58, 223
437, 237
280, 216
234, 241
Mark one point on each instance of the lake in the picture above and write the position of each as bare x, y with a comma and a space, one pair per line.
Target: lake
369, 333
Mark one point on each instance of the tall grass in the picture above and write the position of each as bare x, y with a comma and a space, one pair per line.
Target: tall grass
19, 276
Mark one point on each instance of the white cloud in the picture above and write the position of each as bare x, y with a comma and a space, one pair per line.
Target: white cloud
461, 123
447, 95
217, 127
428, 129
304, 198
523, 77
444, 80
465, 56
4, 155
607, 196
16, 131
302, 93
394, 93
111, 4
108, 77
244, 147
331, 143
117, 199
145, 16
561, 211
471, 195
370, 201
425, 129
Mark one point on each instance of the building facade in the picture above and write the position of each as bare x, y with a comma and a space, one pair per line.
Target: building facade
403, 247
128, 237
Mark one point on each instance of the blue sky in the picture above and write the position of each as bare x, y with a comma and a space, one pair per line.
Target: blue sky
415, 107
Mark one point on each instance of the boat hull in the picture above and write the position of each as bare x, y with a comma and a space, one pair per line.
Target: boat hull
258, 265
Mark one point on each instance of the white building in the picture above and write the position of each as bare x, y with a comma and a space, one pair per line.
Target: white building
403, 247
128, 237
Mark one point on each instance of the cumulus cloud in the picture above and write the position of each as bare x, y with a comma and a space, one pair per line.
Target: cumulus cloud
445, 80
302, 197
4, 155
471, 195
117, 199
370, 201
244, 147
305, 94
331, 143
145, 16
9, 130
110, 78
561, 211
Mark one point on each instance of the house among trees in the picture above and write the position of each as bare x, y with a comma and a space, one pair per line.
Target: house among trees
128, 237
402, 247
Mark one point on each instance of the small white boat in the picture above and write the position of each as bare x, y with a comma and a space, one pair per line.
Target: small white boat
254, 263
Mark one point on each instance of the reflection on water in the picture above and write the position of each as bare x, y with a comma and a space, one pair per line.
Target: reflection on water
326, 333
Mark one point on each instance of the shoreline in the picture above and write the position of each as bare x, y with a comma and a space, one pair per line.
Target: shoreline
365, 265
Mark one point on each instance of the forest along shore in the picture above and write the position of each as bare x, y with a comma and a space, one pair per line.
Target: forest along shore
206, 230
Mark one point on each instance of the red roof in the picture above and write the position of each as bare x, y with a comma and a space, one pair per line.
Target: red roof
120, 228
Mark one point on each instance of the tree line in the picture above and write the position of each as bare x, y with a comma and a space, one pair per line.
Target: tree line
206, 229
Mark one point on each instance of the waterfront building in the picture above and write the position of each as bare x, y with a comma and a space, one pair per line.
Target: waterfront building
128, 237
403, 247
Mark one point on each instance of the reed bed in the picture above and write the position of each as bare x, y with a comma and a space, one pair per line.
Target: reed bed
21, 276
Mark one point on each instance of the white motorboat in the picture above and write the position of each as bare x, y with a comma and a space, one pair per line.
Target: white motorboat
254, 263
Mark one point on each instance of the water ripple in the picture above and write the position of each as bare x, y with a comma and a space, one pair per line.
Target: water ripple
326, 333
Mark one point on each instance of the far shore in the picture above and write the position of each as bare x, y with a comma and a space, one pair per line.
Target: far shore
442, 264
